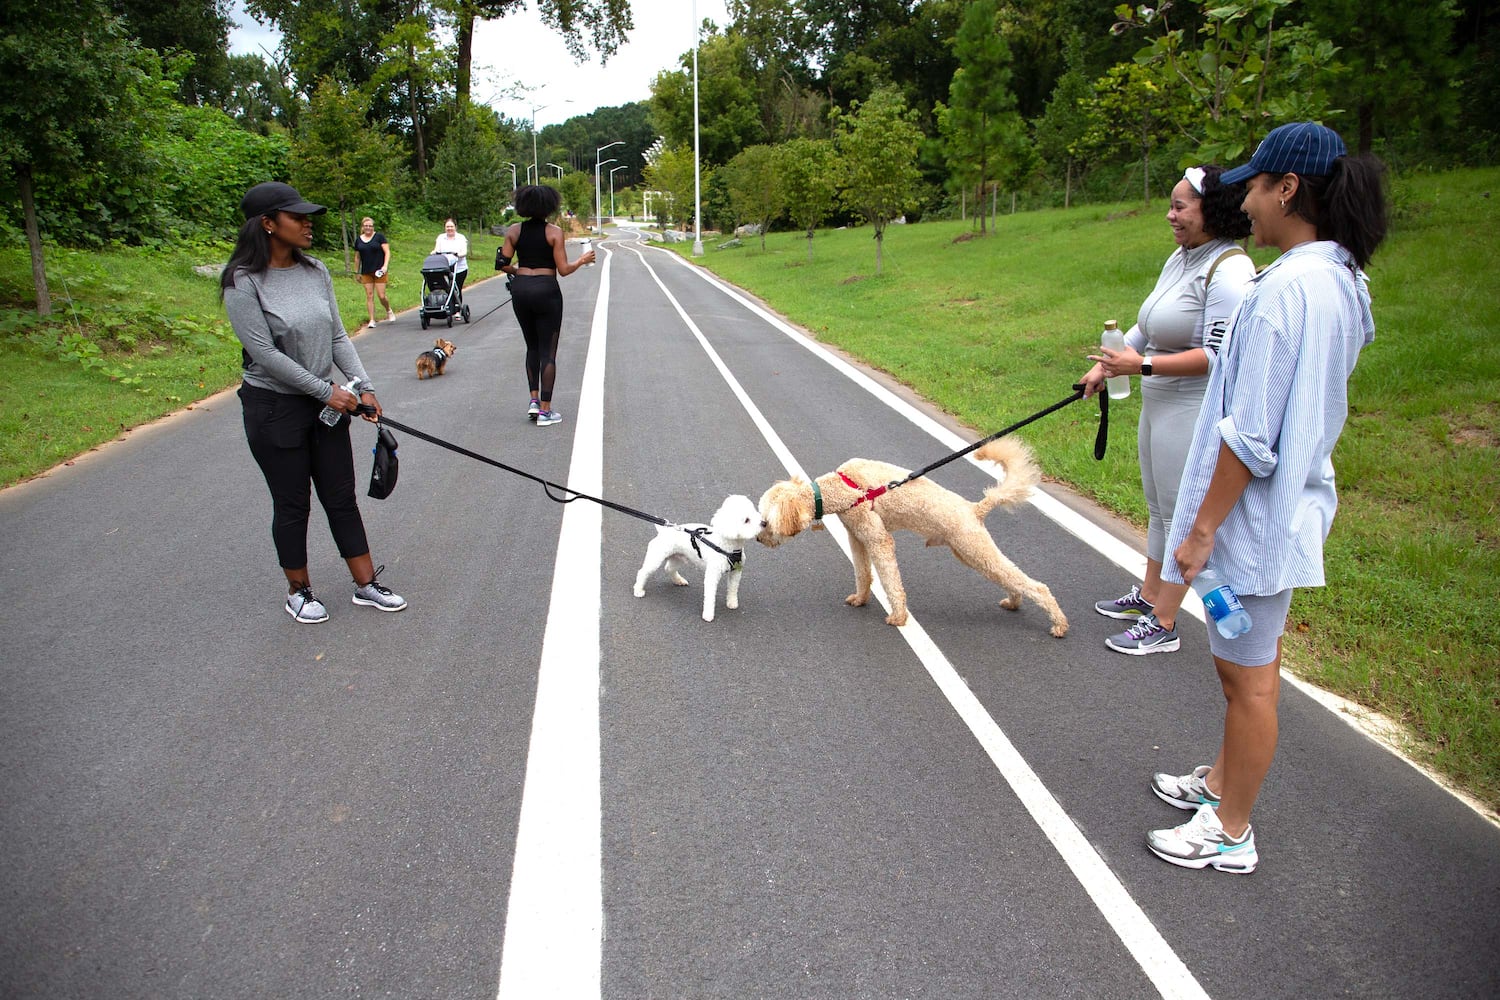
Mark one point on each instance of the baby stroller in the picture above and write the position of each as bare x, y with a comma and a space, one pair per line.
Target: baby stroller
443, 298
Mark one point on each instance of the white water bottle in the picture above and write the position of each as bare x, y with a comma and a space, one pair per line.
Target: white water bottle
328, 414
1114, 340
1221, 603
587, 246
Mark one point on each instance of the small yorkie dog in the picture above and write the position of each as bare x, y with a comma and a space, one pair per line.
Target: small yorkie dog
430, 364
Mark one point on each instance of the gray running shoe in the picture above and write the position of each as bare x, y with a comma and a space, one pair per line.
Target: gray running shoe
1189, 791
305, 608
1132, 605
1145, 636
548, 417
532, 409
1201, 842
376, 595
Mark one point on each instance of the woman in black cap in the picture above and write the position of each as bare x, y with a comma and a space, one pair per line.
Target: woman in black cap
1257, 495
281, 304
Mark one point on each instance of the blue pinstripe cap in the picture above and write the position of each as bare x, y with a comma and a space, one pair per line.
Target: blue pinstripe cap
1305, 148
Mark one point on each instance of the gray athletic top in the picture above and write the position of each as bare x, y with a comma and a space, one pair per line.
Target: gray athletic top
288, 321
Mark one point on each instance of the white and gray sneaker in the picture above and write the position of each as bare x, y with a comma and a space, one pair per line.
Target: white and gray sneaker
1144, 637
1188, 791
305, 608
1201, 842
377, 595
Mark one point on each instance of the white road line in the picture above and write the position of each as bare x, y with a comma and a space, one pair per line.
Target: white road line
554, 922
1135, 930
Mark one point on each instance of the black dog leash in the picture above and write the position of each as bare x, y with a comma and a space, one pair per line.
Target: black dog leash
564, 493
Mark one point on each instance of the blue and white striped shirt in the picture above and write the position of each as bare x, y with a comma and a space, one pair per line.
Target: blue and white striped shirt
1278, 398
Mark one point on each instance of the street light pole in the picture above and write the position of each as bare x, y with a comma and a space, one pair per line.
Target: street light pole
557, 168
612, 171
512, 176
598, 208
697, 177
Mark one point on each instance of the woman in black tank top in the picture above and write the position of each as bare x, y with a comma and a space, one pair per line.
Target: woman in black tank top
535, 253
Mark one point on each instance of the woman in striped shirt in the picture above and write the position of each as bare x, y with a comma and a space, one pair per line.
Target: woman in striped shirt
1257, 495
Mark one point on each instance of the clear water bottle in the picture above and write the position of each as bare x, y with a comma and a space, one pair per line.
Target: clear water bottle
328, 414
1112, 338
1221, 603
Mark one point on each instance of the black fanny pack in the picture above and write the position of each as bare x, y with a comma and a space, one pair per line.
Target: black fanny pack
387, 466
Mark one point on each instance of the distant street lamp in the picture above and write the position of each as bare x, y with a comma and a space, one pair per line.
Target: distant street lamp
612, 188
512, 176
535, 167
598, 207
557, 168
697, 178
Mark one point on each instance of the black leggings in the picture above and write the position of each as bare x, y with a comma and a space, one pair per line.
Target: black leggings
295, 451
538, 304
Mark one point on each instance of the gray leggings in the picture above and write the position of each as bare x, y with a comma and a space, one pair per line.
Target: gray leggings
1162, 439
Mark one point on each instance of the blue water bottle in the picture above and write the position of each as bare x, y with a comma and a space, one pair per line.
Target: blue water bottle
1231, 619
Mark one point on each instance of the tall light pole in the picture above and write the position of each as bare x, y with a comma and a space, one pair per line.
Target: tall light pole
557, 168
598, 208
512, 176
697, 177
612, 188
535, 166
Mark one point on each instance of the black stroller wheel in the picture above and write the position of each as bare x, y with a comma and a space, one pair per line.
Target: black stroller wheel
466, 312
425, 321
450, 321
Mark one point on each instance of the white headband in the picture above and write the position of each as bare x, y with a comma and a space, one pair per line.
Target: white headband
1194, 176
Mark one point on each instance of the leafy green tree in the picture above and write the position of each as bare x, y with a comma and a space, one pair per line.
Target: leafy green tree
577, 187
1400, 62
1237, 71
671, 173
336, 159
214, 162
468, 179
754, 191
981, 119
1060, 131
198, 28
1131, 109
89, 83
259, 95
728, 109
416, 67
877, 143
809, 170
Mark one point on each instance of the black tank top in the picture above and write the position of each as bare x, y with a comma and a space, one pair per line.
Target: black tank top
532, 249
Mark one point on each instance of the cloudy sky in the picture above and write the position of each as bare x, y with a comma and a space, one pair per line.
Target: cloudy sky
518, 54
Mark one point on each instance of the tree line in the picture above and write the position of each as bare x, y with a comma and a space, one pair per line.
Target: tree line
136, 124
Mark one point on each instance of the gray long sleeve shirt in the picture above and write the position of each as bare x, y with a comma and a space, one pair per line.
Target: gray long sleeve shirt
288, 321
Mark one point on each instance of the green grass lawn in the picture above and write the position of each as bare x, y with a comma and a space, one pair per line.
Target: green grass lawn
990, 329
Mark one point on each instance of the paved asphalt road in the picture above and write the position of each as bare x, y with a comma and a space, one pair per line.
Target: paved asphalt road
531, 783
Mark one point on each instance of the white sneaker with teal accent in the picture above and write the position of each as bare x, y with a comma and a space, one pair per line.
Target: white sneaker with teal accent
1188, 791
1201, 843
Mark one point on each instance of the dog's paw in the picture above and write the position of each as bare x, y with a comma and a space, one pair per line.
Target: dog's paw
708, 616
678, 580
857, 600
1011, 604
1060, 630
639, 591
731, 603
896, 618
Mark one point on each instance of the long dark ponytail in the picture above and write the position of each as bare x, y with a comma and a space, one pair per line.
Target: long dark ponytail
252, 252
1347, 206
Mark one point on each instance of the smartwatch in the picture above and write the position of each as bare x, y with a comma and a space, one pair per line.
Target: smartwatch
1146, 366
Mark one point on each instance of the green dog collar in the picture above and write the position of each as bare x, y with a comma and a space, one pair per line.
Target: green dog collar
817, 501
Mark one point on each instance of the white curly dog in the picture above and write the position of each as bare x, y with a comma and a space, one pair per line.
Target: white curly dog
736, 522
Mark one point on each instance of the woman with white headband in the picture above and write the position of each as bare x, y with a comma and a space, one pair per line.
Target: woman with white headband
1177, 336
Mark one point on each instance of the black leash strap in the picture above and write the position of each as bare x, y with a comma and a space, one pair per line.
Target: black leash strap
1101, 440
564, 494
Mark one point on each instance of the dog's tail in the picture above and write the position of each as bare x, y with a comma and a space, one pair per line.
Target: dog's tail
1021, 474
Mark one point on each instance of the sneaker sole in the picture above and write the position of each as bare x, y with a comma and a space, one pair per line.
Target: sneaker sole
1180, 803
377, 604
297, 617
1220, 863
1170, 646
1123, 616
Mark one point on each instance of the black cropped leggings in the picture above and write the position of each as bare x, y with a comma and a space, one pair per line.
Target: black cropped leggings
538, 304
296, 451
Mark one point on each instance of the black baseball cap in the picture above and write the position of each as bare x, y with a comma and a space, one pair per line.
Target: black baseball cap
274, 196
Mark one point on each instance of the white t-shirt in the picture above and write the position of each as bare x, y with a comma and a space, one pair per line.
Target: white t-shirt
458, 245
